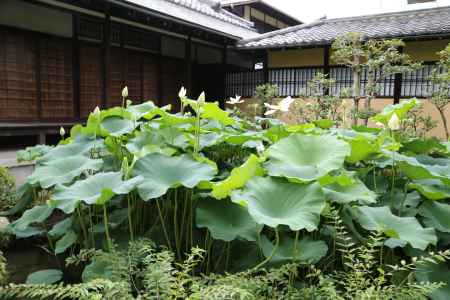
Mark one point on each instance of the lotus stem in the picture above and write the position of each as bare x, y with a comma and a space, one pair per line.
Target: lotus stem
163, 224
130, 224
82, 225
105, 221
297, 233
274, 250
175, 223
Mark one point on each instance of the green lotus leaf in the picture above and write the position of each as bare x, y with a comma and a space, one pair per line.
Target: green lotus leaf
98, 269
37, 214
80, 146
61, 228
213, 111
117, 126
433, 189
400, 109
424, 167
356, 191
362, 148
424, 146
306, 157
275, 201
97, 189
63, 170
324, 123
48, 276
432, 272
33, 153
65, 242
226, 221
238, 177
162, 172
407, 229
436, 215
241, 138
306, 250
301, 128
147, 110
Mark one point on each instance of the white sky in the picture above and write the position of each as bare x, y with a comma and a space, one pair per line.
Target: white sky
310, 10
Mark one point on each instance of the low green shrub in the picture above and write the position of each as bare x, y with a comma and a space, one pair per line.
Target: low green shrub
7, 189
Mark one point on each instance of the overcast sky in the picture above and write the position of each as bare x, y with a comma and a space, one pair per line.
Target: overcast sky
310, 10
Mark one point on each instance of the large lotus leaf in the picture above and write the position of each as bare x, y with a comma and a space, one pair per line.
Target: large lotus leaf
433, 189
65, 242
213, 111
63, 170
97, 269
81, 145
436, 215
424, 146
306, 157
238, 177
356, 191
431, 272
162, 172
146, 110
226, 221
96, 189
401, 110
117, 126
33, 153
37, 214
407, 229
424, 167
275, 201
306, 250
47, 276
61, 228
362, 147
241, 138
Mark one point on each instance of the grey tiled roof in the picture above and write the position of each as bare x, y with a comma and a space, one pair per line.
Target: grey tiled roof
425, 22
205, 13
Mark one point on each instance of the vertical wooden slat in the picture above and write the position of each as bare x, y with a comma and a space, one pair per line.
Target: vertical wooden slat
106, 46
76, 68
37, 53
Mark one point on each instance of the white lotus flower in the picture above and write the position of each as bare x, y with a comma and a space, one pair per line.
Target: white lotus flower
282, 106
125, 92
201, 98
62, 132
234, 101
182, 93
394, 122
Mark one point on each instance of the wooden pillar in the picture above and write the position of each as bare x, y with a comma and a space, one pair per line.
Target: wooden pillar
326, 65
76, 67
188, 59
37, 48
224, 75
106, 51
398, 78
160, 74
266, 66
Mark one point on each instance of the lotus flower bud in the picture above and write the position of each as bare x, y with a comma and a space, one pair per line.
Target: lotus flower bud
125, 92
182, 93
394, 122
96, 111
201, 99
62, 132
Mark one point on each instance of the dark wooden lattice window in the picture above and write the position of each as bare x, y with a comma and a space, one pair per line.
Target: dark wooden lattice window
18, 90
91, 29
56, 78
90, 79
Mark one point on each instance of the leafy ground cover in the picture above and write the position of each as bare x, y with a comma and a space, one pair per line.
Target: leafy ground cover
201, 204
